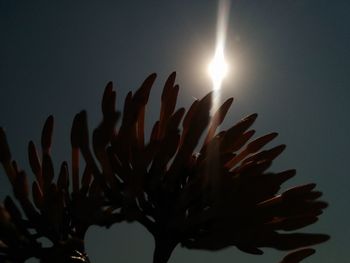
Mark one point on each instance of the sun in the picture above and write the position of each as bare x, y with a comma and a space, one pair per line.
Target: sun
218, 68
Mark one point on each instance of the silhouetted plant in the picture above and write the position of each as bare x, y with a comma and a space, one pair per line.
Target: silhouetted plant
217, 197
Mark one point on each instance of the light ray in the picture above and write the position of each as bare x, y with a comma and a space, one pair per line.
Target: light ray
218, 67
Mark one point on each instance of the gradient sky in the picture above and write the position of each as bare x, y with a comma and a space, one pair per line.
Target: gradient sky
290, 63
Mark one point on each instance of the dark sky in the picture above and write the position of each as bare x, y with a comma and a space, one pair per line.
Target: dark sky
291, 63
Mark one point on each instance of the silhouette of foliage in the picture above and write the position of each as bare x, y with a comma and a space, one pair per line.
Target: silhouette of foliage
210, 197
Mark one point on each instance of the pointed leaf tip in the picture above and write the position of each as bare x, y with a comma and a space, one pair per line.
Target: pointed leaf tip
260, 142
33, 158
109, 85
5, 154
79, 131
151, 77
46, 135
168, 86
297, 256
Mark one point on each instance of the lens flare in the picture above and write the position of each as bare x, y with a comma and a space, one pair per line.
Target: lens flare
218, 67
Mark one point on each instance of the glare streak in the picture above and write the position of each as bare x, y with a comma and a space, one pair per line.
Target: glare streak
218, 68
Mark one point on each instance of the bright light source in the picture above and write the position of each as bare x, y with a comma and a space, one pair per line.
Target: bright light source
218, 69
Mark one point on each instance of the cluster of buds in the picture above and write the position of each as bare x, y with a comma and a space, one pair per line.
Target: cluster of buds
218, 195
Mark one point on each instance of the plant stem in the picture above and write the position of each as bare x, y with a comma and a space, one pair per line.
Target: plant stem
163, 249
